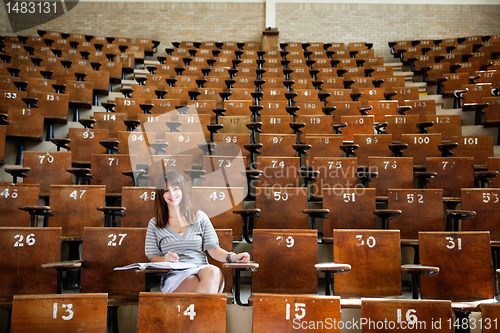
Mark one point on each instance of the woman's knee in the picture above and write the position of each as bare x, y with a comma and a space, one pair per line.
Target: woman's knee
210, 272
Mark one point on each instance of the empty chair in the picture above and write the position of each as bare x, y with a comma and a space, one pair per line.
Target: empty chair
108, 170
453, 174
485, 203
371, 255
139, 205
393, 172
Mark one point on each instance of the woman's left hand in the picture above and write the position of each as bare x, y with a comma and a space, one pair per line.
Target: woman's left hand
241, 257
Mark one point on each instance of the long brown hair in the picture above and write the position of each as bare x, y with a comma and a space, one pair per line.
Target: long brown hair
174, 179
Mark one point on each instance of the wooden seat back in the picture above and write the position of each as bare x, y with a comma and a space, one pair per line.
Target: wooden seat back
161, 163
393, 172
465, 265
60, 313
372, 145
350, 208
448, 125
107, 248
422, 210
112, 122
279, 171
13, 196
47, 168
25, 122
284, 313
356, 125
399, 125
485, 202
421, 146
480, 147
402, 315
372, 254
420, 107
281, 207
323, 146
55, 105
219, 203
75, 207
139, 205
292, 253
276, 124
24, 250
453, 174
107, 170
85, 142
159, 312
278, 144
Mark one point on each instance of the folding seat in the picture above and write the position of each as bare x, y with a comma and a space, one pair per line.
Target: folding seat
370, 254
159, 163
103, 250
393, 172
113, 122
137, 143
448, 83
14, 196
401, 124
84, 142
484, 203
436, 71
219, 204
371, 145
108, 169
24, 250
456, 254
181, 312
381, 109
480, 147
60, 313
356, 125
129, 106
47, 168
448, 125
421, 210
453, 174
323, 146
420, 107
298, 253
307, 312
402, 315
350, 206
421, 146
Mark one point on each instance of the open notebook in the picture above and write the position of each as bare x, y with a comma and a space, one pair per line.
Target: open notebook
156, 265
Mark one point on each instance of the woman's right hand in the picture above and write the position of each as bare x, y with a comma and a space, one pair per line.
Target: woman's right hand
171, 257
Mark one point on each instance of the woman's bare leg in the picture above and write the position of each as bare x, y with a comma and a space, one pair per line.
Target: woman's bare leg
211, 279
188, 285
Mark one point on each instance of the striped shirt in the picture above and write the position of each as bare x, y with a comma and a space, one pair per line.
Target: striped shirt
198, 237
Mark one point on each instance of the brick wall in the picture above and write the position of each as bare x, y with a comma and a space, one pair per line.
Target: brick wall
233, 21
382, 23
164, 21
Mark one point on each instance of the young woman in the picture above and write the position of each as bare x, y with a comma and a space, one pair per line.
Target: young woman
181, 233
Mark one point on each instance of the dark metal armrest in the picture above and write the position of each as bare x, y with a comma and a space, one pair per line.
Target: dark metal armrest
454, 216
416, 271
238, 268
329, 269
246, 215
386, 215
110, 213
316, 213
64, 266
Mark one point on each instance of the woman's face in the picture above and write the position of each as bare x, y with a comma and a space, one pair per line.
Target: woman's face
172, 195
